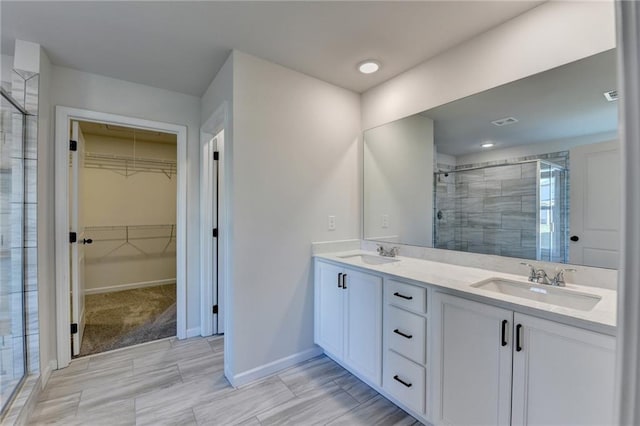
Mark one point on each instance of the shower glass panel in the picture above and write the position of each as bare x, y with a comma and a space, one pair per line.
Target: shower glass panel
516, 210
12, 312
552, 213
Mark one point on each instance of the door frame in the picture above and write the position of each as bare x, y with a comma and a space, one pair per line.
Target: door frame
64, 116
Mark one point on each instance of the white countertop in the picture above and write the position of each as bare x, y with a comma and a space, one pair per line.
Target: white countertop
601, 318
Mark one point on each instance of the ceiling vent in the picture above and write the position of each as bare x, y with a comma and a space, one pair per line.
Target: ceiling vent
504, 121
611, 95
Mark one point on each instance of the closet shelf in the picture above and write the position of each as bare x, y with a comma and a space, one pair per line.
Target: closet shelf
130, 235
128, 165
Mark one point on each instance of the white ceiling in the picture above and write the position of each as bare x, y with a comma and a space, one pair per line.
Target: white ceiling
562, 103
181, 45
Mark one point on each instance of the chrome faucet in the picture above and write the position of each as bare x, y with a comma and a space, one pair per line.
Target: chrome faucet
537, 275
558, 280
392, 252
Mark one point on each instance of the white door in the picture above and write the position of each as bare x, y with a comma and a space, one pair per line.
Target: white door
329, 308
473, 365
77, 226
562, 375
595, 205
363, 324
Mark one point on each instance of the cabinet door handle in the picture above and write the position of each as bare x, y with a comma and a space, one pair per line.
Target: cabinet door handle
340, 280
518, 337
402, 296
504, 332
398, 379
408, 336
344, 281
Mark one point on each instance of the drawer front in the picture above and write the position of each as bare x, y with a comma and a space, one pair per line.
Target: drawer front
406, 295
406, 333
405, 381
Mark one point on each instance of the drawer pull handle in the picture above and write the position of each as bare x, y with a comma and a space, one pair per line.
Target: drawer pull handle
398, 379
408, 336
518, 337
344, 281
340, 280
402, 296
504, 332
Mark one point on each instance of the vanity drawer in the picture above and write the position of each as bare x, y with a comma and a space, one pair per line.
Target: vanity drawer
406, 295
407, 333
405, 381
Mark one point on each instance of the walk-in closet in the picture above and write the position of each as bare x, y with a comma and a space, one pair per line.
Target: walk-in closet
126, 214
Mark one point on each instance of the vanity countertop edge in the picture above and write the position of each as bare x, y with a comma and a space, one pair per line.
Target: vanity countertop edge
458, 279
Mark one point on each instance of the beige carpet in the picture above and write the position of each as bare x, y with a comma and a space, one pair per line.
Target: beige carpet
124, 318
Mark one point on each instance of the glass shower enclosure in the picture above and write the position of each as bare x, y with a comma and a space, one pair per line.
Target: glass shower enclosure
12, 289
513, 209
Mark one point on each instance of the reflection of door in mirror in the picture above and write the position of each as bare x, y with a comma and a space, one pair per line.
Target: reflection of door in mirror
595, 205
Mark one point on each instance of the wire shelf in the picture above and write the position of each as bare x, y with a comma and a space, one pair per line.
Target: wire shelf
128, 165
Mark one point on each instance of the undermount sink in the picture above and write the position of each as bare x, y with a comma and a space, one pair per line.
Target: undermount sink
540, 293
370, 259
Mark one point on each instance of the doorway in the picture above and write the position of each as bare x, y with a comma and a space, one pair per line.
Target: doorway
120, 231
123, 209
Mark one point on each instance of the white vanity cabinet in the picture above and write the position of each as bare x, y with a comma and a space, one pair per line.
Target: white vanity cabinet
560, 374
348, 318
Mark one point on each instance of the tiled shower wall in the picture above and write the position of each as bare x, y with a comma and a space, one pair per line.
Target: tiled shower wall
25, 89
492, 210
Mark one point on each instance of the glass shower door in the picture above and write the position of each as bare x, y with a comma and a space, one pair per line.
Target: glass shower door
12, 312
551, 212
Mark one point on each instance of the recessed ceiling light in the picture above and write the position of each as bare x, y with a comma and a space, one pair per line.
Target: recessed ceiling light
369, 66
487, 145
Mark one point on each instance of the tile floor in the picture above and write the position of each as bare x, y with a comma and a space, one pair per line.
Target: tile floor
182, 382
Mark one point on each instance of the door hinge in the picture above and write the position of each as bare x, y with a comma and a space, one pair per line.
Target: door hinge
216, 155
73, 237
215, 232
74, 328
215, 309
73, 145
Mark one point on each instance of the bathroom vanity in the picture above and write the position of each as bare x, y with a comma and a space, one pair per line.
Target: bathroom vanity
455, 345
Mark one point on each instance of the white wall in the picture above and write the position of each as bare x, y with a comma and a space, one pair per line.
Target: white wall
398, 181
550, 35
46, 249
296, 160
111, 199
79, 89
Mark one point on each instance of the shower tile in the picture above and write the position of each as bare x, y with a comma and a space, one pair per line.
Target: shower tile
30, 269
489, 220
30, 181
472, 204
502, 204
31, 138
472, 235
519, 221
502, 237
518, 187
529, 204
30, 231
503, 172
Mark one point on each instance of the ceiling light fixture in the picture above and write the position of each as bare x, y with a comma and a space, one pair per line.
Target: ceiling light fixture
369, 66
487, 145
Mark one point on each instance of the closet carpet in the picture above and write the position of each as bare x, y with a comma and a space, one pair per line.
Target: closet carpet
124, 318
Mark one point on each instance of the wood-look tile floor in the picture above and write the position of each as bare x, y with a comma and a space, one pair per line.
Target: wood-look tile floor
181, 382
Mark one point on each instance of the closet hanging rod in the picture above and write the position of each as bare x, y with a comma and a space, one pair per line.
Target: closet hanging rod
129, 165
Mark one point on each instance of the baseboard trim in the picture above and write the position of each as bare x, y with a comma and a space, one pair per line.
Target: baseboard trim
193, 332
271, 368
129, 286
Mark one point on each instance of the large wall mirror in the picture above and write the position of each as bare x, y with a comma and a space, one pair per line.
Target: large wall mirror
529, 169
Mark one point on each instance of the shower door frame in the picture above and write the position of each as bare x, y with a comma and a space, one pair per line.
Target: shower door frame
64, 116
